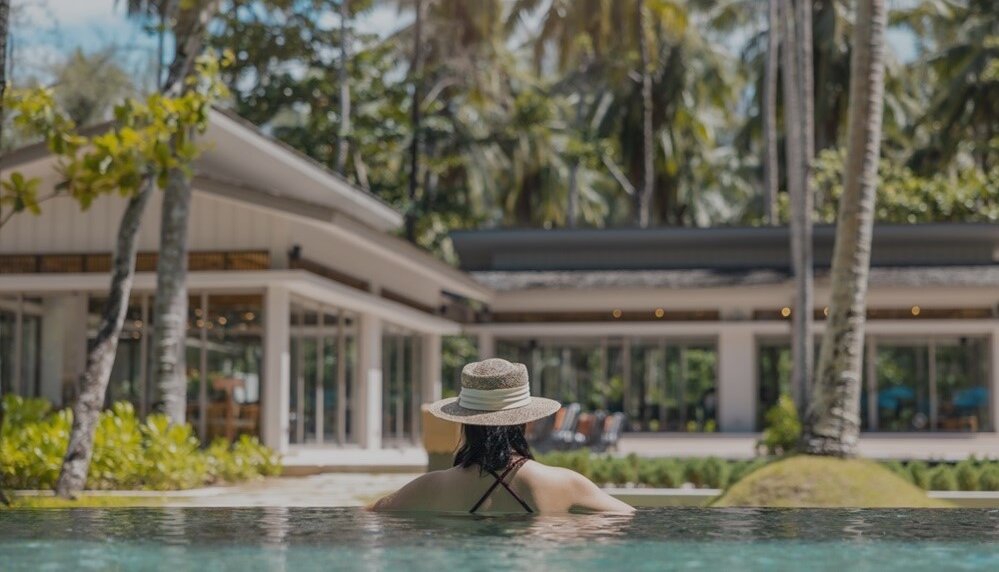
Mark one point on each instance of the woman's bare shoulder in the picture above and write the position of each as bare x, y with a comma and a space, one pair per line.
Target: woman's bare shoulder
414, 493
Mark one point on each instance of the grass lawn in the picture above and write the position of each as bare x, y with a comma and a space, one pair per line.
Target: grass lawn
805, 481
85, 501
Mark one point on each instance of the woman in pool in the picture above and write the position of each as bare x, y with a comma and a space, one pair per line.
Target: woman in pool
494, 471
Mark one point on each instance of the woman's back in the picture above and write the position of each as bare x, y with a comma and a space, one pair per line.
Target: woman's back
533, 487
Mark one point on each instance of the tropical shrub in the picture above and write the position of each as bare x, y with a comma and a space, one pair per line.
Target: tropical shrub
942, 478
967, 475
920, 474
129, 453
988, 479
712, 472
783, 428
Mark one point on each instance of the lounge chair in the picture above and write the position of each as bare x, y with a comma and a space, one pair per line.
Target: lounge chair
611, 433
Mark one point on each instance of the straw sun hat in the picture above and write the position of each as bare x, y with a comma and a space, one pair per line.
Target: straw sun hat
494, 392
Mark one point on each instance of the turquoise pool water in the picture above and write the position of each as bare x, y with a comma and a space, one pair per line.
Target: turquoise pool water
352, 539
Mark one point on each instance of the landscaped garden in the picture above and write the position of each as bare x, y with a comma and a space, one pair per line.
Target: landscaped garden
715, 473
129, 453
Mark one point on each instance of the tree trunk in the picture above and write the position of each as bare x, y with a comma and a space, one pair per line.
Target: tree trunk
343, 146
4, 33
170, 309
802, 346
416, 71
573, 195
803, 207
832, 425
803, 25
644, 195
94, 380
771, 175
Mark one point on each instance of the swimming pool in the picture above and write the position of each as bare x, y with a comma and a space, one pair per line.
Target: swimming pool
352, 539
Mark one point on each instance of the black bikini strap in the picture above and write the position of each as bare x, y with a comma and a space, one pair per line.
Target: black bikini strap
500, 480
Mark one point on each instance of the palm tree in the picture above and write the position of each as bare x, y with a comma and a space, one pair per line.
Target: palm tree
4, 21
644, 195
768, 106
416, 73
93, 381
832, 423
800, 231
170, 306
343, 133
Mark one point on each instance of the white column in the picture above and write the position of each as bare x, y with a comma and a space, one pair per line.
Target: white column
487, 345
431, 367
736, 379
277, 368
63, 344
369, 377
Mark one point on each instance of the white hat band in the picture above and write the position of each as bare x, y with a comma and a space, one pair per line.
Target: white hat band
495, 399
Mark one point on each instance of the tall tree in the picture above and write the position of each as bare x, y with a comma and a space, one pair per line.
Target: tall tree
4, 33
170, 306
415, 145
802, 344
832, 423
644, 194
93, 381
768, 105
343, 134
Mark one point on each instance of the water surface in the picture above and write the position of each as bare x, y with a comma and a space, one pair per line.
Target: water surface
352, 539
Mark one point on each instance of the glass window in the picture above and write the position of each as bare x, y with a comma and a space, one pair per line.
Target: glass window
400, 385
20, 342
774, 377
233, 353
902, 387
962, 385
323, 354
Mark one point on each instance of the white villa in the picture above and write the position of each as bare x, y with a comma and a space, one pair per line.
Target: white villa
315, 327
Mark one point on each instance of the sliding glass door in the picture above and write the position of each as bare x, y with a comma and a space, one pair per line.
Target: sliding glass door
323, 346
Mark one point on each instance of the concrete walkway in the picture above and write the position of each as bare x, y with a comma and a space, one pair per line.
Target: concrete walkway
327, 490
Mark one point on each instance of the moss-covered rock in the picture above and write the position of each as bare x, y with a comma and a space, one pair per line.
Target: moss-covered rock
806, 481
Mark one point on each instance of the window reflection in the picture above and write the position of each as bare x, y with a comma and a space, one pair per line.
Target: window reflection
323, 350
659, 384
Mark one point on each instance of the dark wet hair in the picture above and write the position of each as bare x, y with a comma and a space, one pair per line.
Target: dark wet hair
491, 448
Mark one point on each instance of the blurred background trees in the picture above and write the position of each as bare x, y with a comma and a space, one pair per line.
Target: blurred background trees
532, 113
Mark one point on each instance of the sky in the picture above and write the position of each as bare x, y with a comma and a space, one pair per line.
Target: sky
44, 31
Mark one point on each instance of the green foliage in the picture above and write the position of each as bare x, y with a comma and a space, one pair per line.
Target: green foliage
920, 474
989, 477
783, 429
968, 475
967, 195
715, 473
942, 478
147, 140
128, 453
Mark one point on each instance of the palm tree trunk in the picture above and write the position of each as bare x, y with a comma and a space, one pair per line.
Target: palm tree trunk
573, 195
832, 425
94, 380
4, 31
769, 105
170, 307
645, 193
802, 346
802, 201
416, 71
343, 146
803, 206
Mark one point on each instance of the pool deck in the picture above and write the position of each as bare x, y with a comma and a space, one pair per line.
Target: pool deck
314, 460
940, 446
